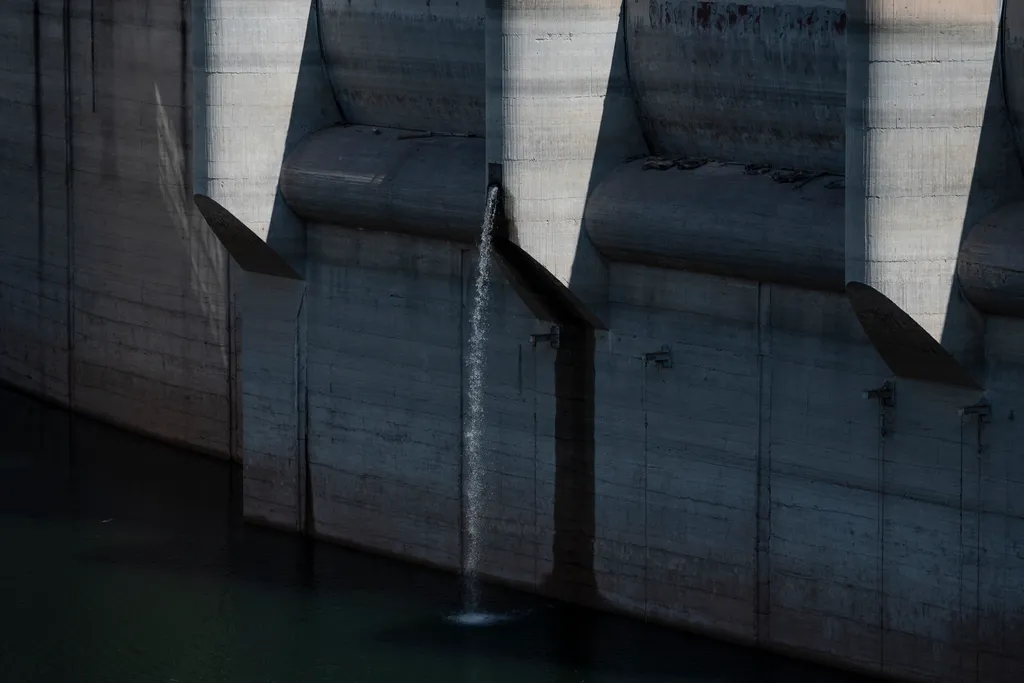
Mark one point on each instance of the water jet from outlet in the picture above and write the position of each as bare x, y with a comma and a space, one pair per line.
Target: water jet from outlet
475, 491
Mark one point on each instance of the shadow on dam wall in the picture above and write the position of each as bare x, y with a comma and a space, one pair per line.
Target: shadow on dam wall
572, 577
100, 233
311, 86
282, 254
957, 357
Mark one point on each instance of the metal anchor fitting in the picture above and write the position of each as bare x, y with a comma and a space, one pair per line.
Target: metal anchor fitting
661, 358
982, 409
886, 397
885, 394
552, 337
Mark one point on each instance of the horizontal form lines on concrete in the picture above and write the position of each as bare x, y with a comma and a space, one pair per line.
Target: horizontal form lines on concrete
355, 422
387, 428
117, 335
163, 297
433, 361
389, 408
172, 368
373, 304
111, 386
101, 374
400, 352
184, 316
372, 532
727, 361
335, 369
45, 297
391, 463
393, 499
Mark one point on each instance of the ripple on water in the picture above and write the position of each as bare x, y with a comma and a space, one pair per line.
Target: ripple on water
479, 618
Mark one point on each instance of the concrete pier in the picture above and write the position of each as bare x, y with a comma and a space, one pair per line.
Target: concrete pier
930, 152
778, 244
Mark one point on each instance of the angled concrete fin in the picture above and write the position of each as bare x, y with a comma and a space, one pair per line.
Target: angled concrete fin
906, 347
543, 293
250, 252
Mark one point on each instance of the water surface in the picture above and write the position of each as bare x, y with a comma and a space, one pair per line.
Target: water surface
126, 561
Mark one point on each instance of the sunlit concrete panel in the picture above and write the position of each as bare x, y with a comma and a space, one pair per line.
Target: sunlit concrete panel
259, 87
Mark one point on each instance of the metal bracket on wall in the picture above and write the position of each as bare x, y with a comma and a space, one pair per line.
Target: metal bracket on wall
885, 394
552, 337
983, 411
886, 397
662, 359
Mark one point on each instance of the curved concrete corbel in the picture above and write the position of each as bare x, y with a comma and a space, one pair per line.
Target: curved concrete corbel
390, 180
722, 220
991, 263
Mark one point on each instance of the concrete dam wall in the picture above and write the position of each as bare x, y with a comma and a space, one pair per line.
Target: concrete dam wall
114, 295
779, 242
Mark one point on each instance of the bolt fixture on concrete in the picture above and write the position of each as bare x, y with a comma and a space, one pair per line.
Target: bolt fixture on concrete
552, 337
662, 358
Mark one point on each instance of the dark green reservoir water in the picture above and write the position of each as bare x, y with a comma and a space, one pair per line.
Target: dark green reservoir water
126, 561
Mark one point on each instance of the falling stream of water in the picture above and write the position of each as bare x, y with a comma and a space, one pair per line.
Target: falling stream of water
475, 491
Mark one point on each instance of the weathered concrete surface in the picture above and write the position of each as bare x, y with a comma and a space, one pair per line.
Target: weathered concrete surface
272, 405
385, 368
406, 64
114, 297
34, 272
722, 219
746, 491
929, 152
759, 82
562, 117
388, 179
